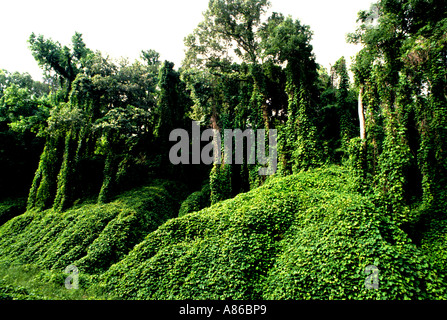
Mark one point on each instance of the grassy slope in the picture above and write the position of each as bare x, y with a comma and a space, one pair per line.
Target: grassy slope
307, 236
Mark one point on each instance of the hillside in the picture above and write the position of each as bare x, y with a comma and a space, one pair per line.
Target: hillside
90, 236
304, 236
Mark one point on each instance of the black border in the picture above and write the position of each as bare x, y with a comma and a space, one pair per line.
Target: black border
162, 309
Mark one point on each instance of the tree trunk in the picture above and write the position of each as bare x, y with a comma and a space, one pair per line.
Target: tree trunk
361, 115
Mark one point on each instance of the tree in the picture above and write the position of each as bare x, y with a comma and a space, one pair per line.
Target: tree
64, 61
274, 84
151, 57
345, 106
24, 110
401, 71
288, 42
229, 30
105, 119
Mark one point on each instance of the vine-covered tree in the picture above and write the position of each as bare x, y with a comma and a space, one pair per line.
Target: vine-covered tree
401, 73
110, 117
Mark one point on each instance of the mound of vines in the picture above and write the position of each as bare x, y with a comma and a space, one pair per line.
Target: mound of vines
91, 236
306, 236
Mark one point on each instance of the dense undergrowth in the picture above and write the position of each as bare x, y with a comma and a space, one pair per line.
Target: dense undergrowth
90, 236
305, 236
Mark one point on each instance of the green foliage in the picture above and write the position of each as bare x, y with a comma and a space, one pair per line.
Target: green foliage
220, 183
23, 114
43, 188
64, 61
106, 114
62, 198
228, 26
91, 236
298, 138
326, 257
402, 69
346, 109
434, 244
356, 164
151, 57
307, 233
281, 89
15, 292
289, 41
22, 80
306, 236
394, 162
255, 246
337, 115
172, 101
196, 201
28, 282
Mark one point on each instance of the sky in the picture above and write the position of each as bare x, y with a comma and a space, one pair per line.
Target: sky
124, 28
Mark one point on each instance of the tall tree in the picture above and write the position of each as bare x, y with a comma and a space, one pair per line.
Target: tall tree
402, 72
288, 42
228, 30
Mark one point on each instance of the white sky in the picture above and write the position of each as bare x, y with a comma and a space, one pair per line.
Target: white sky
124, 28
